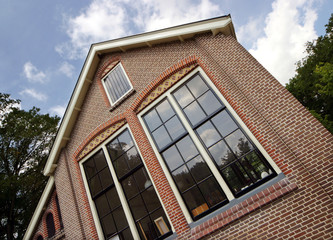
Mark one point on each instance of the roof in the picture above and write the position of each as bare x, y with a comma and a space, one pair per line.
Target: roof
216, 25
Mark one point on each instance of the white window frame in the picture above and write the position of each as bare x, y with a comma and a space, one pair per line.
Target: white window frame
196, 140
106, 89
118, 186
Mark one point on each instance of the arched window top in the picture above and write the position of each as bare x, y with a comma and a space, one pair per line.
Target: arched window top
50, 225
40, 237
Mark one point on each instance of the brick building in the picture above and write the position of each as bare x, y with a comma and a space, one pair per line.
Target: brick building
181, 134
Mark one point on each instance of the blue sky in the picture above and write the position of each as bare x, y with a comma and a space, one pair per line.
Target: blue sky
43, 44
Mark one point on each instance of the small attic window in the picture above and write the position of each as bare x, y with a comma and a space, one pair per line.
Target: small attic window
116, 84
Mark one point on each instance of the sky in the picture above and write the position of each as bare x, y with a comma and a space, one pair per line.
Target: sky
44, 43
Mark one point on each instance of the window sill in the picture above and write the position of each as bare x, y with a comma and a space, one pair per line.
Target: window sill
249, 205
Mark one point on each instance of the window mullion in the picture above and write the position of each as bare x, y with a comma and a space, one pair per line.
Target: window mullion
201, 149
121, 195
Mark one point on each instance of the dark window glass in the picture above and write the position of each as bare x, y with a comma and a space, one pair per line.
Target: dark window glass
186, 165
239, 161
137, 186
116, 84
50, 225
39, 237
59, 213
105, 196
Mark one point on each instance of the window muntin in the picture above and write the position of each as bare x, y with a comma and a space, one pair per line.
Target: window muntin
216, 135
140, 194
194, 180
240, 163
104, 194
116, 84
130, 177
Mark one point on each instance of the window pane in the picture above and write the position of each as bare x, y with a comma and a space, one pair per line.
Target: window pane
147, 229
102, 205
235, 177
100, 161
120, 218
113, 198
183, 96
187, 148
115, 149
183, 178
209, 102
152, 120
194, 113
221, 153
133, 158
161, 218
125, 141
175, 128
106, 178
161, 137
198, 168
165, 111
195, 201
239, 143
197, 86
142, 179
90, 168
224, 123
172, 158
212, 192
138, 208
255, 166
126, 234
95, 185
130, 187
151, 200
208, 134
120, 166
108, 225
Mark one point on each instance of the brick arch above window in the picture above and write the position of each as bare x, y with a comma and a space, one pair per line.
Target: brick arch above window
99, 135
166, 80
103, 70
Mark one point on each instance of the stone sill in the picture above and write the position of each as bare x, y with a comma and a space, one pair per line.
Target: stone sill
277, 190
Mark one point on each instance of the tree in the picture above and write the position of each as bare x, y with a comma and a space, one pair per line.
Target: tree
25, 140
313, 82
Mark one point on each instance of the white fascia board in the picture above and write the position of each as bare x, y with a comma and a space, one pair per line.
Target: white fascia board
67, 119
39, 209
92, 60
159, 35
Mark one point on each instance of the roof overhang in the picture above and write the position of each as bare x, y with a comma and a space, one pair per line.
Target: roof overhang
179, 33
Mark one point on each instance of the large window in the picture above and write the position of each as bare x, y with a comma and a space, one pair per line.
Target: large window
116, 84
215, 132
136, 190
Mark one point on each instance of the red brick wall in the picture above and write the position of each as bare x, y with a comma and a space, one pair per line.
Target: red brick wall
42, 227
298, 206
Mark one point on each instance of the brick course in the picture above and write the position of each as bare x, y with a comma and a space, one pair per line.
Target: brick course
299, 206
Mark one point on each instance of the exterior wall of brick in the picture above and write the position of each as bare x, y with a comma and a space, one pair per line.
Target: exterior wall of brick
42, 227
298, 206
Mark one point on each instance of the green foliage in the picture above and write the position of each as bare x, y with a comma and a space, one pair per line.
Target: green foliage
25, 139
313, 83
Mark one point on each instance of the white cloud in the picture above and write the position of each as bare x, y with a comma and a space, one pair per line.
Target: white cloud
58, 110
67, 69
105, 20
32, 93
33, 74
288, 27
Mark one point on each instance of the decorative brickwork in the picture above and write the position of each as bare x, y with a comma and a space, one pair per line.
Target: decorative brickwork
167, 83
299, 206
